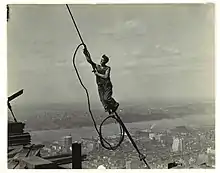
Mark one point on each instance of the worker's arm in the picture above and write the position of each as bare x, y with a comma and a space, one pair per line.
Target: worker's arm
88, 57
106, 75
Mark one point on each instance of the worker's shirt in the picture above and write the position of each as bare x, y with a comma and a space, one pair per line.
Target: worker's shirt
102, 70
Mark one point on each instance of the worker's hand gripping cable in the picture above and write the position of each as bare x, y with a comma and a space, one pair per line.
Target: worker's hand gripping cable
88, 56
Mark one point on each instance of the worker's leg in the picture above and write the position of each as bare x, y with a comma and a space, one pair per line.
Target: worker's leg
112, 104
101, 96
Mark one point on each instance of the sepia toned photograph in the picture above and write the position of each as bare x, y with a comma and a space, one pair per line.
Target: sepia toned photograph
111, 86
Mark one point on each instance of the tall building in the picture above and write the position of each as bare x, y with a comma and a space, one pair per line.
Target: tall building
175, 145
67, 143
202, 140
181, 145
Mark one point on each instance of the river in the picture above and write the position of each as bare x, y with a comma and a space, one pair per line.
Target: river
111, 129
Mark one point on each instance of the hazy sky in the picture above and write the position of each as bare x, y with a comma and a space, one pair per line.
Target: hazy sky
155, 51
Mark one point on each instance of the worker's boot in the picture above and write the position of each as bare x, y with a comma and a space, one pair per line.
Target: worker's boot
114, 109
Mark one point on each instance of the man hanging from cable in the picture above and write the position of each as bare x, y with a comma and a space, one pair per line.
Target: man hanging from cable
102, 72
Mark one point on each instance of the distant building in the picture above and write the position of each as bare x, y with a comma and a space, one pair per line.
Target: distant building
134, 164
158, 137
98, 145
191, 161
101, 167
211, 156
202, 140
89, 147
210, 151
152, 135
175, 145
202, 158
67, 143
128, 164
167, 140
144, 133
178, 144
181, 145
